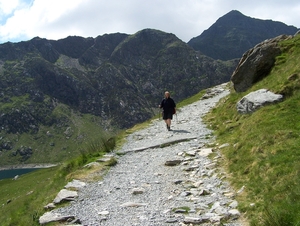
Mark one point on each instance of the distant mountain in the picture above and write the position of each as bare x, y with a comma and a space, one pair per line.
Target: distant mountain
234, 33
49, 88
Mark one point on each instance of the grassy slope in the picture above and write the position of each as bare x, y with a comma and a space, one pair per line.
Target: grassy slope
65, 138
22, 200
28, 195
264, 146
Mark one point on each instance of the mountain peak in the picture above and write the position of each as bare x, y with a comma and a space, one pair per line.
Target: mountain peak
233, 13
234, 33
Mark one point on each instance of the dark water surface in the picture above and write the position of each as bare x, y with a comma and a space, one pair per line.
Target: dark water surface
11, 173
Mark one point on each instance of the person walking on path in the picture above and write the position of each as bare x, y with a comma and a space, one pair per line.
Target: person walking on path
169, 108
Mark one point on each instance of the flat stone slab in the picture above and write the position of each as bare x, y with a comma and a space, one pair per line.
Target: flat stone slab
75, 184
205, 152
174, 162
53, 217
133, 204
163, 144
65, 194
257, 99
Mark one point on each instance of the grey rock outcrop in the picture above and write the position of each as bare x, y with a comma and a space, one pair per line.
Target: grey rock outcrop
75, 184
54, 217
256, 63
65, 194
257, 99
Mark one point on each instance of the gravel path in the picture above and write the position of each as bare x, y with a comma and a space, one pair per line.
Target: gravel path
143, 189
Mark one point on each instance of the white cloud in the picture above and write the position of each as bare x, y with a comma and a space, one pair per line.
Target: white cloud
7, 7
57, 19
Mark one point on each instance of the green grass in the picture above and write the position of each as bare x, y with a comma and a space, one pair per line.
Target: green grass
264, 146
22, 200
71, 133
28, 194
191, 99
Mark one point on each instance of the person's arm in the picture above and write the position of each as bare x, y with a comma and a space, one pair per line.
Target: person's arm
174, 104
161, 104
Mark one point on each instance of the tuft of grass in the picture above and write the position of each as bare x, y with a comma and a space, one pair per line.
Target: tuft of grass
28, 194
264, 146
22, 200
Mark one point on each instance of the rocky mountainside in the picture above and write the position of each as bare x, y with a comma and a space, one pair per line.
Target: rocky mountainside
234, 33
48, 86
118, 76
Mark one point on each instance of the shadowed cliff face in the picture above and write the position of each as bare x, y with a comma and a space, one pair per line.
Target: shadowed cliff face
118, 76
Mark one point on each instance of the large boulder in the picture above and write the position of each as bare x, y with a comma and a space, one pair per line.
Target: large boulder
256, 63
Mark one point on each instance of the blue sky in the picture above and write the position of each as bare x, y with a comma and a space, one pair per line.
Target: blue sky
21, 20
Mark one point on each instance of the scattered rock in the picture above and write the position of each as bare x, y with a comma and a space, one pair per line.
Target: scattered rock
198, 183
185, 193
178, 181
174, 162
68, 132
240, 190
191, 168
180, 211
92, 164
205, 152
136, 191
132, 204
105, 158
224, 145
257, 99
65, 194
29, 193
191, 153
192, 220
53, 217
204, 192
234, 213
234, 204
104, 213
50, 206
171, 220
75, 184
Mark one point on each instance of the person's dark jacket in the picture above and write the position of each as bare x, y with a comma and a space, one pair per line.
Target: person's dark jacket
168, 105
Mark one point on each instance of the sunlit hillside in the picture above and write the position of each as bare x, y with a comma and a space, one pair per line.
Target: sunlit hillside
264, 154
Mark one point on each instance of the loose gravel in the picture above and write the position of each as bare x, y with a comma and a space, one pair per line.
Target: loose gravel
142, 190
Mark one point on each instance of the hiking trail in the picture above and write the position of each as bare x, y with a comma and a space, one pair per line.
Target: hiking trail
163, 178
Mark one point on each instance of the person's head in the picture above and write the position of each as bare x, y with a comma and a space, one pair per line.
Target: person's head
167, 94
